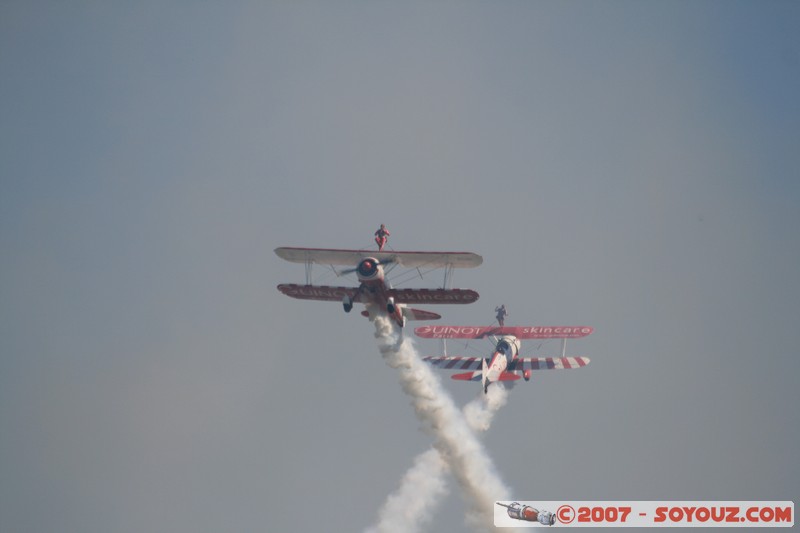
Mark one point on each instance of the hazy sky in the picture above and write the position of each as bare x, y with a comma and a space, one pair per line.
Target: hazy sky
632, 166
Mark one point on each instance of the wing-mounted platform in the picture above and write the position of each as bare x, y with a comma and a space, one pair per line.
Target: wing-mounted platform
520, 332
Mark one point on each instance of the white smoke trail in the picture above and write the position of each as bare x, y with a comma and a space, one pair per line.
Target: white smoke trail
423, 486
454, 440
411, 506
480, 411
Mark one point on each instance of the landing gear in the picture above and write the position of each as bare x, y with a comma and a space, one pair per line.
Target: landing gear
347, 303
390, 308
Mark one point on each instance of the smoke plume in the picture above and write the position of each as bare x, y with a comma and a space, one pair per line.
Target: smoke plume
424, 486
459, 450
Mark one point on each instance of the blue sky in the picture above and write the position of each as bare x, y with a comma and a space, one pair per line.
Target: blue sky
627, 165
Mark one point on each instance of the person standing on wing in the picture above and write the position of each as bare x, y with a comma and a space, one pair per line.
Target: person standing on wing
381, 236
501, 314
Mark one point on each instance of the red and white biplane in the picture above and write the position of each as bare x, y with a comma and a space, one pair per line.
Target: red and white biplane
504, 364
374, 289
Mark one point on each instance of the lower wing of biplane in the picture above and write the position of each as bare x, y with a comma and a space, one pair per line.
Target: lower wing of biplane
397, 296
518, 368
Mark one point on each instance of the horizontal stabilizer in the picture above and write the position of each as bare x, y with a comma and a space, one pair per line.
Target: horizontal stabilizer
318, 292
433, 296
467, 376
520, 332
509, 376
412, 314
419, 314
327, 256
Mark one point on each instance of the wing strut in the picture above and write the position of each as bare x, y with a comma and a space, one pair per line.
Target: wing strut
309, 265
448, 275
563, 347
335, 272
448, 281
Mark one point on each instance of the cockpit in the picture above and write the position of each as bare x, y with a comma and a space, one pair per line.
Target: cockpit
504, 346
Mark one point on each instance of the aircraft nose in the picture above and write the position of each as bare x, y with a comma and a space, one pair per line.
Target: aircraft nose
367, 268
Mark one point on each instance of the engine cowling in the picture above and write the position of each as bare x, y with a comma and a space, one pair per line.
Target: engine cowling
509, 345
369, 269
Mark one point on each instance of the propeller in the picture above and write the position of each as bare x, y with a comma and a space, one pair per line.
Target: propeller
367, 266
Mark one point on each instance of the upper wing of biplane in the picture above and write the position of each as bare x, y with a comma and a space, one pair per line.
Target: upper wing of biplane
520, 332
517, 365
326, 256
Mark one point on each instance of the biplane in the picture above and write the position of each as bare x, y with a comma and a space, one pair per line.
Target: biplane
504, 364
374, 289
